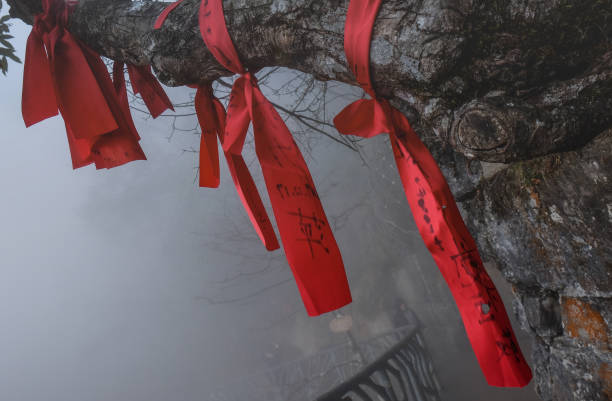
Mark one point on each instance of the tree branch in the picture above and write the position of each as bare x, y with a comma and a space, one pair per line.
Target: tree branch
444, 58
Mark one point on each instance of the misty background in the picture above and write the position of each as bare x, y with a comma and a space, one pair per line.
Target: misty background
134, 284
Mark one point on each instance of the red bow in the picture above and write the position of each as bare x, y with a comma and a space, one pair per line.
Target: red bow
62, 73
211, 116
307, 238
436, 214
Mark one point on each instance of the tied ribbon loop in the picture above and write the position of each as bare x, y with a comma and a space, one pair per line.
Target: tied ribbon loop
435, 211
63, 74
306, 235
307, 238
211, 116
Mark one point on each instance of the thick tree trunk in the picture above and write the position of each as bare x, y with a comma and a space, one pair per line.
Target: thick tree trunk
526, 83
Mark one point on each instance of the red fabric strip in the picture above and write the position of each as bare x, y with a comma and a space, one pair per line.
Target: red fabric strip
144, 82
164, 14
83, 105
454, 251
211, 116
214, 32
63, 74
121, 145
436, 213
38, 100
122, 97
251, 200
210, 123
357, 37
306, 235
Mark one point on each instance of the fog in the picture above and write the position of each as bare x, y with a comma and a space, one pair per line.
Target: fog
134, 284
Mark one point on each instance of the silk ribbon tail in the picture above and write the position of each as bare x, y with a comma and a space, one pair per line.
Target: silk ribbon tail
211, 121
238, 116
82, 103
144, 82
209, 160
38, 100
305, 232
80, 149
236, 128
454, 251
251, 200
122, 97
121, 145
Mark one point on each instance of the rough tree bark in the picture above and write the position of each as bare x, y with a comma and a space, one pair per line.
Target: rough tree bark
523, 83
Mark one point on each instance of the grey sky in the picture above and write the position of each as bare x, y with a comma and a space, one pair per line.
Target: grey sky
102, 269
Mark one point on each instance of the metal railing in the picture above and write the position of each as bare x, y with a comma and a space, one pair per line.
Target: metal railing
401, 371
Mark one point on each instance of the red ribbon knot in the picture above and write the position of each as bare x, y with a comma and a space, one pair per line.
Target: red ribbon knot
62, 74
435, 212
306, 235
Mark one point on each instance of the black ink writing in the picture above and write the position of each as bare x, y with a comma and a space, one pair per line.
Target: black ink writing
311, 228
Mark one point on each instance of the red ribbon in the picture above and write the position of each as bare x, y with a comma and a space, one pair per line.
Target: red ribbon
211, 116
435, 211
144, 82
121, 93
63, 74
164, 14
307, 238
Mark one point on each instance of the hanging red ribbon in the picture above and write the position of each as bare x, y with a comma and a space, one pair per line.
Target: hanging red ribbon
144, 83
211, 116
307, 238
121, 92
121, 145
435, 211
62, 74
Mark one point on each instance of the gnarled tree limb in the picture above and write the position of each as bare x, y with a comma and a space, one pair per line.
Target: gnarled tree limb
444, 57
